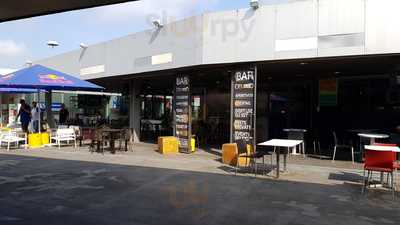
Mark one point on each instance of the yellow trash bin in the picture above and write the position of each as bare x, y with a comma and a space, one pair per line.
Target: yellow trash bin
45, 138
35, 140
193, 144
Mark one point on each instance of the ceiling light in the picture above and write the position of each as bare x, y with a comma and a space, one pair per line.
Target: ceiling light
254, 4
52, 44
29, 63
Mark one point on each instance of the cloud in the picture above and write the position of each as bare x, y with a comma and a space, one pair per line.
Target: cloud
10, 48
4, 71
143, 10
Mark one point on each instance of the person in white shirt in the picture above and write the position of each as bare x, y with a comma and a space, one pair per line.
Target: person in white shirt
35, 112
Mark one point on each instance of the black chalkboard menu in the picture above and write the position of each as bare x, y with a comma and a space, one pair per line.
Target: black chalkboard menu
243, 105
183, 113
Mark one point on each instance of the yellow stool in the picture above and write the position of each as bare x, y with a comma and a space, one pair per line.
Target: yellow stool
229, 155
168, 145
35, 140
45, 138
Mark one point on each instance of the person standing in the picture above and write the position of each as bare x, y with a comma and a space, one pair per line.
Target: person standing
24, 114
35, 112
64, 114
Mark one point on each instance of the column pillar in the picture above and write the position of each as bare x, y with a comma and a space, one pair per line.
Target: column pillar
134, 109
49, 113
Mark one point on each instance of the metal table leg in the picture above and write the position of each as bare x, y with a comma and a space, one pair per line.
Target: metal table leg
285, 159
277, 163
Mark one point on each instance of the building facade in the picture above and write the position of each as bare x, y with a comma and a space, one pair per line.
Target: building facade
315, 60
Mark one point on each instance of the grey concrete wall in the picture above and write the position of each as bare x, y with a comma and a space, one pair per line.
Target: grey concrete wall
298, 29
133, 54
134, 110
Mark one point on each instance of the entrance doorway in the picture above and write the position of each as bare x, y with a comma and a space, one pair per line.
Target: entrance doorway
210, 102
289, 106
211, 108
156, 113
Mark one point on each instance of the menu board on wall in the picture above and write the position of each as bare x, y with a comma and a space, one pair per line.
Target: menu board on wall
243, 105
183, 113
328, 92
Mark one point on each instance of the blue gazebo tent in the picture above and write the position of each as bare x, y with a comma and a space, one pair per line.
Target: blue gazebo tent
17, 90
44, 78
39, 77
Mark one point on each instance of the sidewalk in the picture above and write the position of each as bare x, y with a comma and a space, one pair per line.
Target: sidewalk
146, 155
67, 186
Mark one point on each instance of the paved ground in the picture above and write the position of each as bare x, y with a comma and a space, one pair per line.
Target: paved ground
75, 187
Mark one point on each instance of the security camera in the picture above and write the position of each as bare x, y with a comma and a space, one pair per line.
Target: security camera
157, 23
28, 63
83, 46
255, 4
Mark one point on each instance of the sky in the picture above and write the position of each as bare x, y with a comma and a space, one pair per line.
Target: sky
25, 40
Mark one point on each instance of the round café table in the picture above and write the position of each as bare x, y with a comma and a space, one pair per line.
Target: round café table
361, 131
356, 139
373, 136
112, 134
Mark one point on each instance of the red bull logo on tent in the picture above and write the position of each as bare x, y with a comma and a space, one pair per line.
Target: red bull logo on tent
53, 79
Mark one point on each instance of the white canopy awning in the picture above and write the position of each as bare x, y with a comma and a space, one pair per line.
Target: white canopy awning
89, 93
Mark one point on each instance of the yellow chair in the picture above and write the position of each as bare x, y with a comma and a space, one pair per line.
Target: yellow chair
248, 153
229, 155
168, 145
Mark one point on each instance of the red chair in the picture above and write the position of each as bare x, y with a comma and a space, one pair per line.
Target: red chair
396, 165
379, 161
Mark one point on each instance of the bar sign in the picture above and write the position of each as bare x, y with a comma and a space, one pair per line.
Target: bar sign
243, 100
183, 113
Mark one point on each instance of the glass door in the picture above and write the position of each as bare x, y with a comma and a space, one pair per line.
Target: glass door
290, 106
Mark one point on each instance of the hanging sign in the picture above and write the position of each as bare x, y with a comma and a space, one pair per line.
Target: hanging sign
328, 92
243, 105
183, 113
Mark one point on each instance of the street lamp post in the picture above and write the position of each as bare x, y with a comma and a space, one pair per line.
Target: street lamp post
48, 95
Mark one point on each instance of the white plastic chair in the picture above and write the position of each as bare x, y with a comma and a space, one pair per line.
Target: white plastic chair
66, 135
339, 145
77, 130
10, 137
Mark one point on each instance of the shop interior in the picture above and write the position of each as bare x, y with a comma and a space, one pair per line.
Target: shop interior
318, 95
111, 108
344, 96
210, 97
